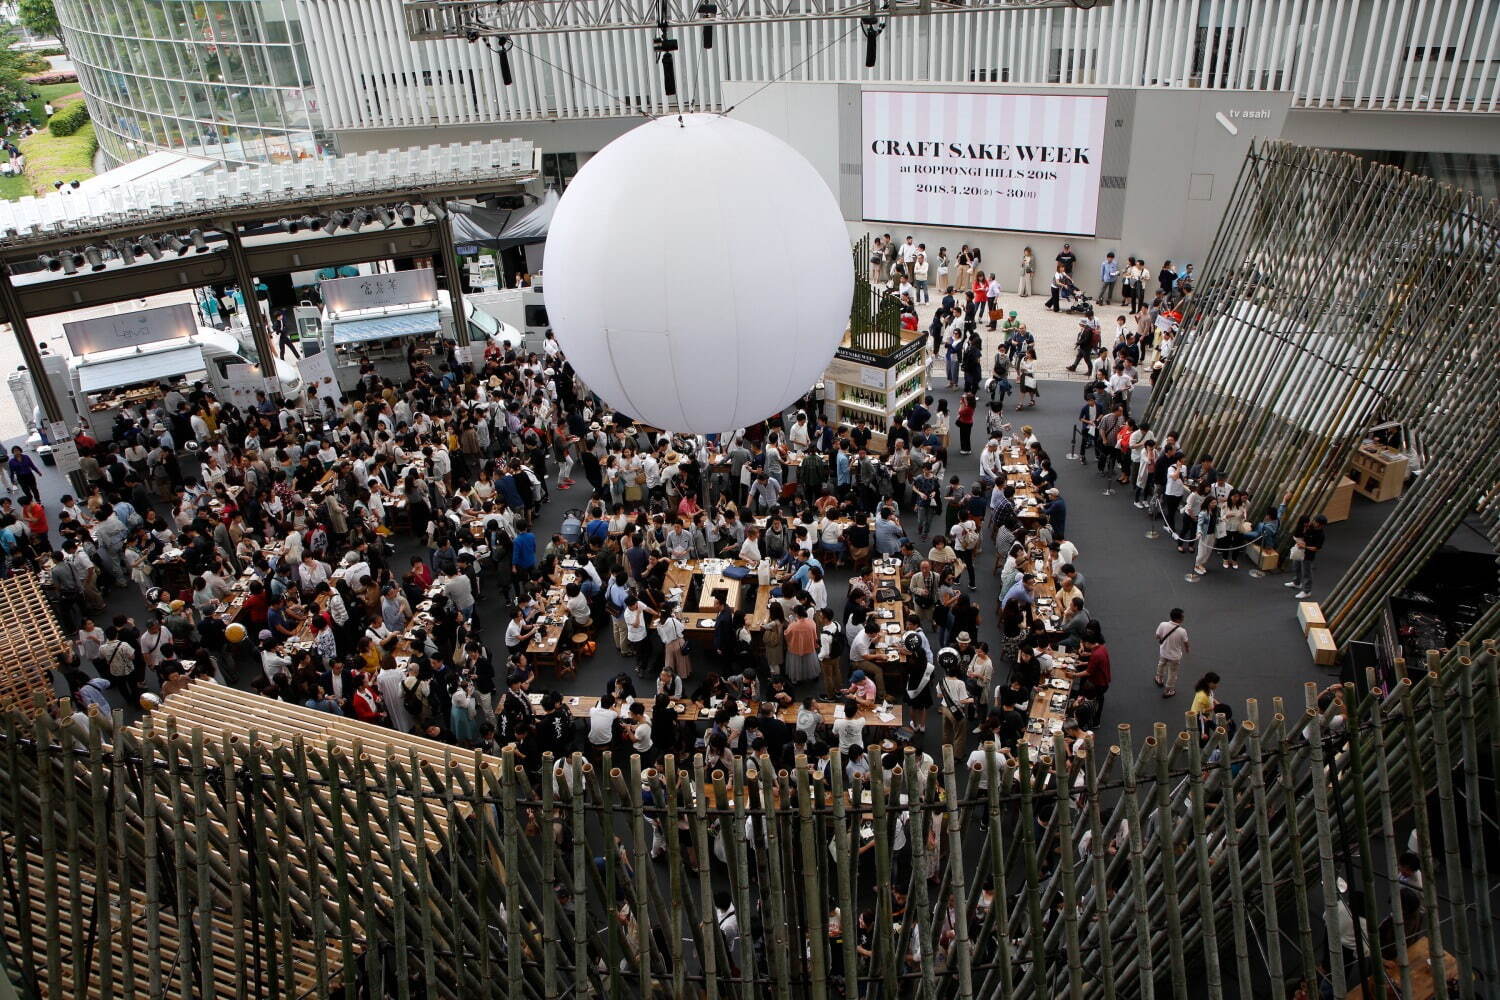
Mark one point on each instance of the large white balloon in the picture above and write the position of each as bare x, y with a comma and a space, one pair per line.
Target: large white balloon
698, 274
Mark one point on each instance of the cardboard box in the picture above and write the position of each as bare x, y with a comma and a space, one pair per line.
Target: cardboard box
1310, 616
1320, 643
1268, 559
1337, 507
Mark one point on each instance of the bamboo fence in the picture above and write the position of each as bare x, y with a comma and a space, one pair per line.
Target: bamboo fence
321, 857
1338, 294
875, 313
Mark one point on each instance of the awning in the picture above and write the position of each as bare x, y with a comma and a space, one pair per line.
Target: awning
133, 369
481, 227
360, 331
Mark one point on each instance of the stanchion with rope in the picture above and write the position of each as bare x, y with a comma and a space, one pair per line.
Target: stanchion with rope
1157, 513
1073, 455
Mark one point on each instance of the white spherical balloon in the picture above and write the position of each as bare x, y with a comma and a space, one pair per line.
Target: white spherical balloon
698, 274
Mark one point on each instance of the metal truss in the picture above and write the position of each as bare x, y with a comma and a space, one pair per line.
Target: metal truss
429, 20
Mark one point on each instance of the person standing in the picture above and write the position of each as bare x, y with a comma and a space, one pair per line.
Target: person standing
919, 271
1166, 279
802, 641
942, 272
1171, 647
1028, 269
1109, 273
23, 473
1060, 285
1307, 540
992, 293
1067, 258
965, 275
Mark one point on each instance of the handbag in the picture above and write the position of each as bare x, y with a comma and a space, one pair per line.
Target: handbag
1298, 554
634, 494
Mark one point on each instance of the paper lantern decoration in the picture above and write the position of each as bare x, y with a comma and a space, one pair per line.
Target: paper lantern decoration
698, 274
235, 633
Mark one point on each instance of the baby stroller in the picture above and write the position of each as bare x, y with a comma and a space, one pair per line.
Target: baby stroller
1081, 303
572, 527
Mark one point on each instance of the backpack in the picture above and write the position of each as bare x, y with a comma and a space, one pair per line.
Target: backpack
837, 641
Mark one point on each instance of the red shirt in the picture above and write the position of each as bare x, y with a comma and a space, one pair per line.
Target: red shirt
255, 607
1098, 673
965, 413
981, 291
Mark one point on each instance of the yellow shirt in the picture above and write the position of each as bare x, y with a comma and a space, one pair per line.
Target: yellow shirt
1203, 704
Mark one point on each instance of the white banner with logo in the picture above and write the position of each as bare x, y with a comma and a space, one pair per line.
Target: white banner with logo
1023, 162
144, 326
372, 291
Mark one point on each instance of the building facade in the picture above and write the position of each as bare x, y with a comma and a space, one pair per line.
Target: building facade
252, 80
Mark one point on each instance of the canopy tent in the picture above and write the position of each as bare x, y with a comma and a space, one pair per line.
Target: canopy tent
475, 227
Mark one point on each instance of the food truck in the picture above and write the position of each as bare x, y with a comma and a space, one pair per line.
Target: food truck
376, 318
117, 361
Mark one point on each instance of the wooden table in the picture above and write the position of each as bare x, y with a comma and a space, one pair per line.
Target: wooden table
708, 575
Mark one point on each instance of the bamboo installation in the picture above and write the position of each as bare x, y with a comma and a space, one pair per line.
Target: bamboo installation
228, 846
1340, 294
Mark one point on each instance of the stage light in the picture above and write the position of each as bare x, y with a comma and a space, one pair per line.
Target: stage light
707, 9
503, 49
153, 248
387, 219
127, 252
199, 243
872, 27
409, 215
70, 262
436, 209
172, 243
664, 46
50, 262
94, 258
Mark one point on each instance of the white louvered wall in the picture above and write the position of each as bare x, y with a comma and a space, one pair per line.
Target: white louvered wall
1428, 55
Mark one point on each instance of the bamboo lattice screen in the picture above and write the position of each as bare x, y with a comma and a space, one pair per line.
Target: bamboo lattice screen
320, 857
1339, 294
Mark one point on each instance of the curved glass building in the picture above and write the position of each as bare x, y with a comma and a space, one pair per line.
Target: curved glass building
223, 79
246, 81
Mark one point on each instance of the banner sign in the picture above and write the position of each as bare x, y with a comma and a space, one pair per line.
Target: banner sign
372, 291
144, 326
1023, 162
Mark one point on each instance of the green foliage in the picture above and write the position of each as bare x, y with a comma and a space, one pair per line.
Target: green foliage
40, 18
49, 158
14, 68
69, 120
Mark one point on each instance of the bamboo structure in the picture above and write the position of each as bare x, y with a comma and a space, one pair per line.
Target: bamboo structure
875, 314
232, 846
30, 639
1340, 294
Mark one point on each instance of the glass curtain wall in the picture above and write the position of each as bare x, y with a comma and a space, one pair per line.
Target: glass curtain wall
223, 79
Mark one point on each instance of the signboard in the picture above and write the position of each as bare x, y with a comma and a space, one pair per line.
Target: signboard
66, 453
891, 360
1023, 162
317, 372
372, 291
241, 383
144, 326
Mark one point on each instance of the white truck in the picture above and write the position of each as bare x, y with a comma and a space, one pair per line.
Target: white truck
382, 334
94, 388
522, 309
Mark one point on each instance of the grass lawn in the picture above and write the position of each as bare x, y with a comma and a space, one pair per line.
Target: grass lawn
49, 158
12, 188
58, 93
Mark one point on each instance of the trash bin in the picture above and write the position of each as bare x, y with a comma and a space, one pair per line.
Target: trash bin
48, 458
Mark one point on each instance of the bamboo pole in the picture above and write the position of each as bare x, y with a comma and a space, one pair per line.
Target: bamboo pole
1204, 893
956, 887
1134, 768
1164, 829
1452, 863
811, 891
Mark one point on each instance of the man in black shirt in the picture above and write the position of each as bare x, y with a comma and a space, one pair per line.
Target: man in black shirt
1309, 541
1067, 258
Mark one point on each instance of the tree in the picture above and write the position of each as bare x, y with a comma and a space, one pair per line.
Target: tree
14, 68
40, 18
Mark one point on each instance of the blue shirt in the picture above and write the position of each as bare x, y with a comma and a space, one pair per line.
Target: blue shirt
804, 571
597, 530
507, 488
1017, 589
523, 551
841, 468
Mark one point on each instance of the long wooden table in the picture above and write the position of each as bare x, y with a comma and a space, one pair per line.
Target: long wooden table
709, 574
579, 707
